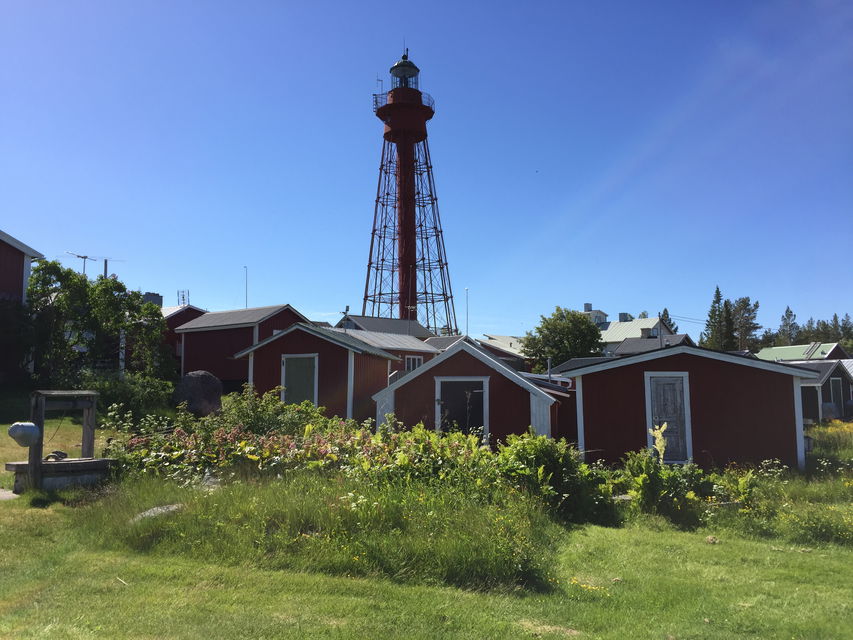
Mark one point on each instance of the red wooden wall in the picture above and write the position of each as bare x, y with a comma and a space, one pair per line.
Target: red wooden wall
738, 413
509, 403
213, 350
11, 272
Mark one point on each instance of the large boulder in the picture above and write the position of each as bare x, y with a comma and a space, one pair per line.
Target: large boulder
201, 390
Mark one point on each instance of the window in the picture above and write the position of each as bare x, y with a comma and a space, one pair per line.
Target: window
413, 362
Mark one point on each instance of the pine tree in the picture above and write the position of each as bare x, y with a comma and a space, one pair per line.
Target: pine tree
711, 336
664, 316
789, 330
744, 314
726, 339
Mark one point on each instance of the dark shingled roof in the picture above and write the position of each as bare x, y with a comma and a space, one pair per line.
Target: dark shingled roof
630, 346
824, 367
237, 317
577, 363
386, 325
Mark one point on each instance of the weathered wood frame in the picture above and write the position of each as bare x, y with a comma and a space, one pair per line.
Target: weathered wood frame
44, 401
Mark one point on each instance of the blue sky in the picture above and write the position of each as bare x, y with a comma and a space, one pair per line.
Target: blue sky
632, 155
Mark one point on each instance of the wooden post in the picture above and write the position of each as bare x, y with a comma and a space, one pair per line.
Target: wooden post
34, 462
88, 447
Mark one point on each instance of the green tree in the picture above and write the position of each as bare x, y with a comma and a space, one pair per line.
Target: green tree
746, 327
727, 339
712, 336
669, 322
789, 330
85, 325
562, 335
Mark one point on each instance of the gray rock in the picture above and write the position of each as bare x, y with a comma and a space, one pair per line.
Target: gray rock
201, 390
156, 511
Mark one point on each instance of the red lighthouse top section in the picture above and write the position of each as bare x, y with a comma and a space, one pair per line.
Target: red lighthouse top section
404, 109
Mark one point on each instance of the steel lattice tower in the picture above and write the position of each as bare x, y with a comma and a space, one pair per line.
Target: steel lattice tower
407, 275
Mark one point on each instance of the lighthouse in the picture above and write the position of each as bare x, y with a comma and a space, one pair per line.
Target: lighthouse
407, 274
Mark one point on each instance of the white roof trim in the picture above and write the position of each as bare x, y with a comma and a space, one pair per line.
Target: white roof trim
20, 246
462, 345
184, 308
696, 351
306, 329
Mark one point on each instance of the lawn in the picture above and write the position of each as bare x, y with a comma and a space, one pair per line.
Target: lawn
644, 580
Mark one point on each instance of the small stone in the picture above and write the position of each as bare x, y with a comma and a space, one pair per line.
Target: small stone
156, 511
712, 540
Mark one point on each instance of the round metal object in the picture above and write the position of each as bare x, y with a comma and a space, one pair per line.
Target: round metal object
26, 434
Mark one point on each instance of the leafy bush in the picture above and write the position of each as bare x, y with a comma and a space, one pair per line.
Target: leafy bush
406, 531
262, 414
554, 470
137, 393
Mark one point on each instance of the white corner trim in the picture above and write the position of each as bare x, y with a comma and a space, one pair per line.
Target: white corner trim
252, 369
540, 416
688, 424
579, 409
798, 417
820, 404
350, 381
483, 379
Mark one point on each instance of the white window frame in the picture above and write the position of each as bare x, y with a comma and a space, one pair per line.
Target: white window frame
418, 359
483, 379
688, 424
316, 357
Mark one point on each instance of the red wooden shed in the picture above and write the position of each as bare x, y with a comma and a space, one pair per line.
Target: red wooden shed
15, 261
466, 386
719, 407
211, 340
329, 367
175, 317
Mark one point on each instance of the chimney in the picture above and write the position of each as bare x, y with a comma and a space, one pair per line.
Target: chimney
623, 316
587, 306
646, 333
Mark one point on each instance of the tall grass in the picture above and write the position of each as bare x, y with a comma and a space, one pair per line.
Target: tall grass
409, 532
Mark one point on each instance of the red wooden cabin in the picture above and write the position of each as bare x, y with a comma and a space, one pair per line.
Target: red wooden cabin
719, 407
328, 367
211, 340
465, 387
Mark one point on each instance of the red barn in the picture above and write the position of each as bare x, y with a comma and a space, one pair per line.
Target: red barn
175, 317
329, 367
467, 388
15, 262
211, 340
719, 407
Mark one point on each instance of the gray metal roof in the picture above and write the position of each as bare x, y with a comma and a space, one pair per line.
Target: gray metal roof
848, 364
387, 325
618, 331
393, 341
346, 340
510, 344
641, 345
235, 318
170, 311
443, 343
